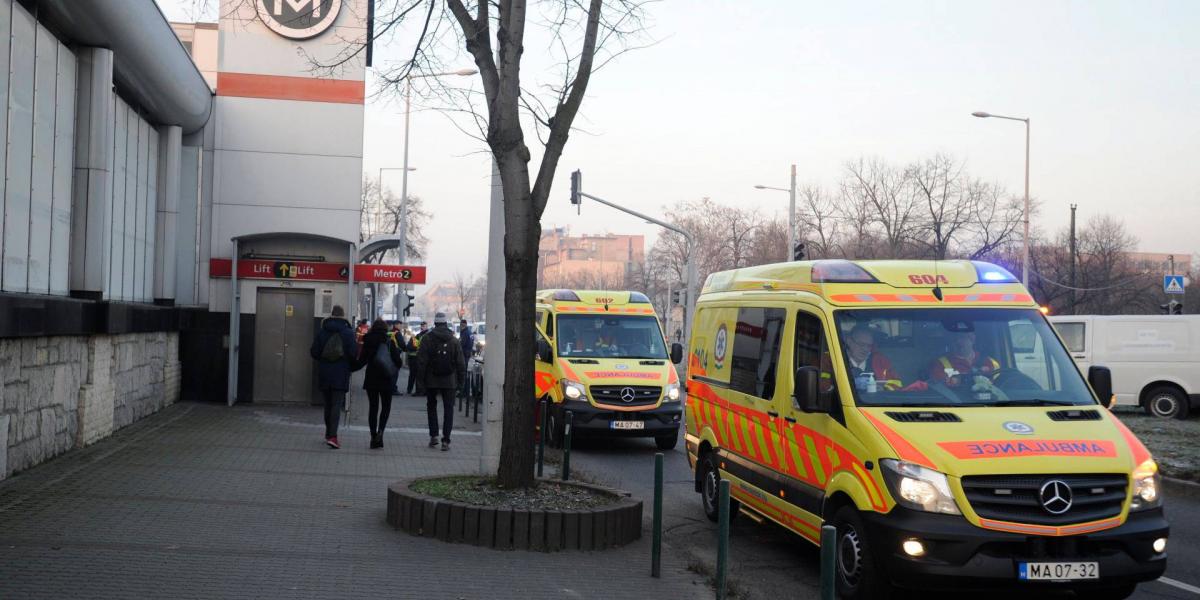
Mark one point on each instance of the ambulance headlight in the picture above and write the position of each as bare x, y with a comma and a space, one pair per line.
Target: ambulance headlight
919, 488
672, 394
573, 390
1147, 487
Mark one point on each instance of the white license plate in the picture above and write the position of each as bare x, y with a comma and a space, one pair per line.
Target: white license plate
628, 424
1058, 571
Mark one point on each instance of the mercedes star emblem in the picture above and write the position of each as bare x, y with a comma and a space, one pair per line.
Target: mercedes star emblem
1055, 496
627, 394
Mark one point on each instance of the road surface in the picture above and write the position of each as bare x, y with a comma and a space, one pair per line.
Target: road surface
766, 558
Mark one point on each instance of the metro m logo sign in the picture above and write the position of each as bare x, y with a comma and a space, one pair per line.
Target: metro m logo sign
298, 19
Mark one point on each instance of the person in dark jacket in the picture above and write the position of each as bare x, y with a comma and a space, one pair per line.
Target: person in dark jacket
441, 369
414, 345
334, 365
466, 339
380, 379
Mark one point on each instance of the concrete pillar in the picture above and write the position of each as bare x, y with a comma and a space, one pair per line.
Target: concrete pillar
170, 139
92, 195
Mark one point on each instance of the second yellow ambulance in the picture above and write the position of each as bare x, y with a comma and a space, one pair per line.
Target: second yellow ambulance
602, 357
930, 413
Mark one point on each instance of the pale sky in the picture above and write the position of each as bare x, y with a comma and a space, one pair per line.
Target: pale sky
736, 91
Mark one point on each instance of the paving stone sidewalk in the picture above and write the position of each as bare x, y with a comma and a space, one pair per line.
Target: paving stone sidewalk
206, 501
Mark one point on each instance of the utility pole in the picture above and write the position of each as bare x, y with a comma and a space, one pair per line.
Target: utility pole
1073, 206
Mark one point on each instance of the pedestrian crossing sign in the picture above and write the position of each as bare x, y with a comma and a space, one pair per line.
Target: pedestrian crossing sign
1173, 284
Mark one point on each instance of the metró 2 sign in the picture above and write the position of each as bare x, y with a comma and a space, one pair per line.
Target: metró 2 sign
298, 19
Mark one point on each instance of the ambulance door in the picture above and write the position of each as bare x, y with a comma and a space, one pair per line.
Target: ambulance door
753, 364
807, 436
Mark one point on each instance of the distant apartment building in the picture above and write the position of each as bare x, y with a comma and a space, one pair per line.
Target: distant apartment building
1159, 261
445, 296
588, 261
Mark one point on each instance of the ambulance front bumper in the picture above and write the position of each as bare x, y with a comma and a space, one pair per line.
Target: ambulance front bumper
959, 555
599, 421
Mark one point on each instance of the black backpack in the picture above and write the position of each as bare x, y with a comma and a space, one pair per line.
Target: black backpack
441, 360
332, 351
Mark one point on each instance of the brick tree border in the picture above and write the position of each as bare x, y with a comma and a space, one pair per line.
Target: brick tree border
607, 526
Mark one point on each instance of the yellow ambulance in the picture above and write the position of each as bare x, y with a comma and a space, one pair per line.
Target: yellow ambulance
603, 357
930, 413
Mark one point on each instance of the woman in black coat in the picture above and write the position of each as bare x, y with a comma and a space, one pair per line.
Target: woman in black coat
378, 350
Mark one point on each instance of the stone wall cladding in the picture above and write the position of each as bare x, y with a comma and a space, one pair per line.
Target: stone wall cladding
62, 392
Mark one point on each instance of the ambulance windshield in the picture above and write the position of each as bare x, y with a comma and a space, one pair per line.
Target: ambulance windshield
609, 336
964, 357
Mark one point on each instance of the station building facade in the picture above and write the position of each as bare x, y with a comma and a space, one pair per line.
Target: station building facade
171, 227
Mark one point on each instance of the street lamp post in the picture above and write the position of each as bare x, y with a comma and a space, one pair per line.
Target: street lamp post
1025, 248
402, 255
404, 181
791, 190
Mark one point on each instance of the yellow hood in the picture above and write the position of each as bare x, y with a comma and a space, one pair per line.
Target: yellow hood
991, 440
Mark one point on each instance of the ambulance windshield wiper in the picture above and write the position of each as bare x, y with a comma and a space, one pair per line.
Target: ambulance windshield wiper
1032, 402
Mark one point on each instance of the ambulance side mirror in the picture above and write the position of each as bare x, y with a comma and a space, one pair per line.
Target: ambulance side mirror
807, 393
1100, 379
544, 352
676, 353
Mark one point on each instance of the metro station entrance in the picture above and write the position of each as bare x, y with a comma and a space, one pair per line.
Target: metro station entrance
283, 331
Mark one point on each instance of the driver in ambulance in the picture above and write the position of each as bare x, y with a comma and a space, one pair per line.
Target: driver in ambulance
962, 360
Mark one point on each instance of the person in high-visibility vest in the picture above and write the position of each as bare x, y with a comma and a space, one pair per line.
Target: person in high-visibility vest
961, 361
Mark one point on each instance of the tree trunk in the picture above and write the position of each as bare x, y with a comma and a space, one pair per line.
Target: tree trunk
522, 230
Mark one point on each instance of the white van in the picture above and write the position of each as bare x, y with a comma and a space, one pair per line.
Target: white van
1155, 359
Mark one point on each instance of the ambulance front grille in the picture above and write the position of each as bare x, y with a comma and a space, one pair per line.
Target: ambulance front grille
1017, 498
612, 394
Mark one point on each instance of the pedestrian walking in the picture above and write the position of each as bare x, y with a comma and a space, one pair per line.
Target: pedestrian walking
414, 345
335, 352
467, 341
441, 369
382, 358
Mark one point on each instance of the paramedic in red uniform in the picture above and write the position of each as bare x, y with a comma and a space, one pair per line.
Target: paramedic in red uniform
962, 360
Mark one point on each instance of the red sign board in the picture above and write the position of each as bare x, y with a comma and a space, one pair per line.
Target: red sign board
315, 271
389, 273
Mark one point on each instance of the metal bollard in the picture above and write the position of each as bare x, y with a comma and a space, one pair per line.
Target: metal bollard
542, 431
722, 538
656, 544
566, 465
828, 562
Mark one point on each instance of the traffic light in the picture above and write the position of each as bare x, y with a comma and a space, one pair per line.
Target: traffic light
676, 296
406, 302
576, 186
1173, 307
798, 251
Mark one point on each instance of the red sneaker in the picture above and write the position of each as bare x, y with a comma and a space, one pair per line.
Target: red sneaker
333, 443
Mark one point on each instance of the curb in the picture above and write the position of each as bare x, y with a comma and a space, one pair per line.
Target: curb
1181, 487
607, 526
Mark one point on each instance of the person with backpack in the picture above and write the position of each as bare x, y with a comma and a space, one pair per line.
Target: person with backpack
441, 369
335, 352
381, 356
414, 345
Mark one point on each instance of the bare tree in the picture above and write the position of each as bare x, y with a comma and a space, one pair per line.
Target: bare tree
946, 207
494, 32
381, 213
883, 196
819, 218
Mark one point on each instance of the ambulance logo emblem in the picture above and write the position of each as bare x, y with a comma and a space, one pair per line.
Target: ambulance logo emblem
720, 345
1018, 428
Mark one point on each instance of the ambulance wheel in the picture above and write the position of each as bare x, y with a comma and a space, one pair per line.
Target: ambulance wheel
556, 429
1166, 402
667, 442
858, 577
1119, 592
710, 486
